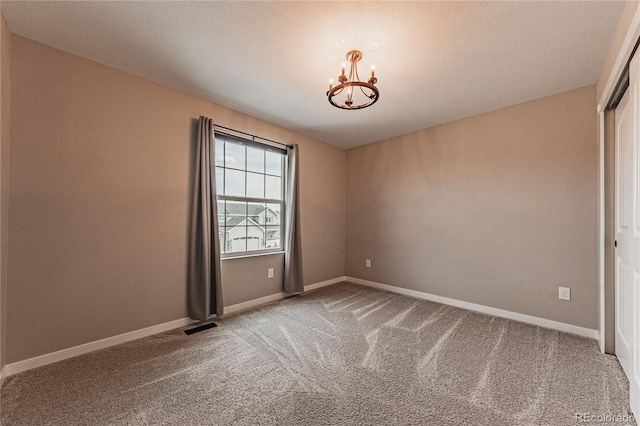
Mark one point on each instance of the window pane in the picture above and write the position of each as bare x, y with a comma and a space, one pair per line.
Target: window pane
272, 238
255, 185
236, 239
255, 160
236, 213
219, 152
223, 238
255, 212
221, 212
274, 163
273, 214
234, 155
236, 218
274, 188
234, 181
219, 180
255, 237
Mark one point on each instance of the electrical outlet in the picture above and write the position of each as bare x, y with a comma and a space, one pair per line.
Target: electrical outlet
270, 273
564, 293
367, 263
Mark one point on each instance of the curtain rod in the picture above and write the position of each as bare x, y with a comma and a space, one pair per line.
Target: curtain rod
253, 137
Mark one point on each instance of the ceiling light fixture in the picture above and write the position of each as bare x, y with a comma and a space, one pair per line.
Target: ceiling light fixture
352, 93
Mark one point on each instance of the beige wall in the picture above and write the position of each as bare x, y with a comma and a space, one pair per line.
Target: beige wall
100, 175
497, 209
5, 90
253, 270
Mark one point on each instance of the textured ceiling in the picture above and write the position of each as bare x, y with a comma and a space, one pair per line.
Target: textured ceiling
435, 61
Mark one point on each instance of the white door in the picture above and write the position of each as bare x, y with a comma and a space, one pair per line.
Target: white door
627, 222
624, 320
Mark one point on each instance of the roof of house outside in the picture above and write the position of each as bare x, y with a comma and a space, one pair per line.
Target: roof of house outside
234, 221
253, 210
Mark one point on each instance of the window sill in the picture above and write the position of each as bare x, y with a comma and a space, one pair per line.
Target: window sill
244, 256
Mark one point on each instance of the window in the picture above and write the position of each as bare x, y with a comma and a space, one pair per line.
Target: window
250, 185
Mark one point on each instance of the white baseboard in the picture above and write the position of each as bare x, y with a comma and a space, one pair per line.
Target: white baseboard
252, 303
541, 322
324, 283
277, 296
39, 361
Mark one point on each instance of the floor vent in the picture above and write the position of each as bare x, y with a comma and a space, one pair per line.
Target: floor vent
200, 328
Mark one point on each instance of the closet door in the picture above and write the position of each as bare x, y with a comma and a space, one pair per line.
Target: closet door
627, 221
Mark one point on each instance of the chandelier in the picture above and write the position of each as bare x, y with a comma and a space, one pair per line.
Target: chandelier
352, 93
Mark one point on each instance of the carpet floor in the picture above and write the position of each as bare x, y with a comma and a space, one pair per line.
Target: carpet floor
340, 355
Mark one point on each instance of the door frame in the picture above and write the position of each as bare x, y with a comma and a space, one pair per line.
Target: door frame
622, 58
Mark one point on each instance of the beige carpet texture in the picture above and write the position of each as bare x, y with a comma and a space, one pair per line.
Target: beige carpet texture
341, 355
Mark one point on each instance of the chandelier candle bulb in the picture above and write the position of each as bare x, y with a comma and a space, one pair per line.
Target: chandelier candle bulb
343, 66
373, 69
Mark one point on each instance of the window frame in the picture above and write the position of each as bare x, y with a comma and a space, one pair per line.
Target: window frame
248, 143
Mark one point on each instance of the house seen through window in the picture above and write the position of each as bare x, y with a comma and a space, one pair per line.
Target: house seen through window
250, 186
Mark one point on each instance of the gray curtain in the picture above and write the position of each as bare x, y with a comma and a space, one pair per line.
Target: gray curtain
204, 280
293, 282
